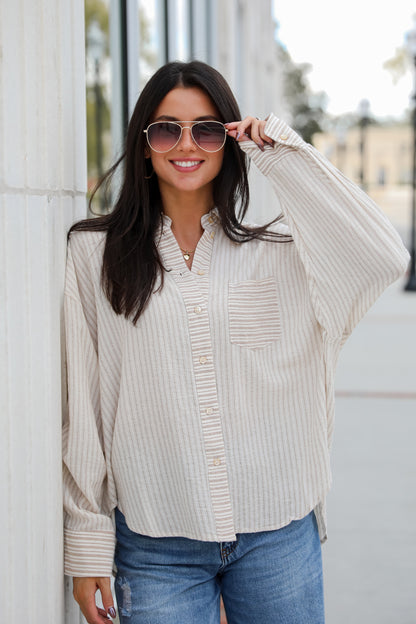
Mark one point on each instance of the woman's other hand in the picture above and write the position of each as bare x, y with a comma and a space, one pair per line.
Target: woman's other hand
249, 128
84, 590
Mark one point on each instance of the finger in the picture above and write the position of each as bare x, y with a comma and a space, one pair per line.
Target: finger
255, 133
103, 615
263, 135
245, 127
238, 136
251, 127
259, 135
84, 593
231, 125
104, 585
92, 613
234, 130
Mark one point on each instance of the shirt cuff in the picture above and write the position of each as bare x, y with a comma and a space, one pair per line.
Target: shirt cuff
89, 554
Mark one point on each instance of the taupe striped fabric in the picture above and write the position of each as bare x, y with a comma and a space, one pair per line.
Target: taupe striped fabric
214, 415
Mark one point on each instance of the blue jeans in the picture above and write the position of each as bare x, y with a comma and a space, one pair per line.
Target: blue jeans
272, 577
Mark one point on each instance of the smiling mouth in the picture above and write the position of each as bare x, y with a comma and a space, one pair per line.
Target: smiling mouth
186, 163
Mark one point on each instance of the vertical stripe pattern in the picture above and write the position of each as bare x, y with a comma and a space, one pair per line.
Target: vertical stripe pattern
214, 414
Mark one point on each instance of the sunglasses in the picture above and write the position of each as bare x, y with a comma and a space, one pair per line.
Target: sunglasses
163, 136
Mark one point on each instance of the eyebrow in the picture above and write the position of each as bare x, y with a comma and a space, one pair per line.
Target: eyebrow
202, 118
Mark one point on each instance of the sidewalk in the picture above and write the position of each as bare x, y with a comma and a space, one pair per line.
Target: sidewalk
370, 557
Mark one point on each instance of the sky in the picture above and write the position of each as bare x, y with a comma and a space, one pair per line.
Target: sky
347, 43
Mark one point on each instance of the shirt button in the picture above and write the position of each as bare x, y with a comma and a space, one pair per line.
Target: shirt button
202, 359
210, 410
283, 137
197, 309
210, 220
200, 272
212, 234
217, 461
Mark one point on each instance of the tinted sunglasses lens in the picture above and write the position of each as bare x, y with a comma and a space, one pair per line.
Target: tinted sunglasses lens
163, 135
209, 135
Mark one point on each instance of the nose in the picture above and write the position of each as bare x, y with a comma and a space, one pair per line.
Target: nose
186, 141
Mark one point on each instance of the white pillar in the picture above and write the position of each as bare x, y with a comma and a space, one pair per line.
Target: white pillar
42, 191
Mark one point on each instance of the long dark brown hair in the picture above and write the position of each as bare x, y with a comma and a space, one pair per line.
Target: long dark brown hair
131, 262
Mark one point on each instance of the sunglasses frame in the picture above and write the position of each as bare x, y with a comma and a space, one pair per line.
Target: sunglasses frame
178, 123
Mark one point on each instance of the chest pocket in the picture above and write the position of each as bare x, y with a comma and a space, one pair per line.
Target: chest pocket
253, 313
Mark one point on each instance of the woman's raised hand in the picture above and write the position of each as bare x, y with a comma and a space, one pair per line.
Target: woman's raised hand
249, 128
84, 593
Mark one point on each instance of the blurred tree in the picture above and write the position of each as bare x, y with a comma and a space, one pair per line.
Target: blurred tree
398, 64
307, 108
97, 11
148, 52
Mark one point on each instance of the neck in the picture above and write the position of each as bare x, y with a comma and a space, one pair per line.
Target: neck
185, 210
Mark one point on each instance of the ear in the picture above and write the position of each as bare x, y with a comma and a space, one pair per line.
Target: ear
147, 152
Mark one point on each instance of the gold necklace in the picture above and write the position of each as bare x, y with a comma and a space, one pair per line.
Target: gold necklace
187, 254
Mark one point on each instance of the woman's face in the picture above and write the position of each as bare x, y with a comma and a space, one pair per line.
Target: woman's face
186, 167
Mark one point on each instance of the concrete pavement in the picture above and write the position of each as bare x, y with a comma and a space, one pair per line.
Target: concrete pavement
370, 557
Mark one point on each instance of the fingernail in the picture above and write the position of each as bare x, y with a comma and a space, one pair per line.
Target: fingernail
238, 136
260, 146
112, 612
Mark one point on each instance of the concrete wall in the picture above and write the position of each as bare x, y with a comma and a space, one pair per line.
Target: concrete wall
42, 189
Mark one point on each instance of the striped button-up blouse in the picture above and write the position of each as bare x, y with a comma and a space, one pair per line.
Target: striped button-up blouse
213, 415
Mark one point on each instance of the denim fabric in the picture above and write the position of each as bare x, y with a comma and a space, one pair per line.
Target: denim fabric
271, 577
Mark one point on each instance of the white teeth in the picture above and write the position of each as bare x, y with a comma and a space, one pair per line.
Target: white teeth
186, 163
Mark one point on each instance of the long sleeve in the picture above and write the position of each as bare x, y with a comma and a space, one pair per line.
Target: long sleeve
349, 249
89, 533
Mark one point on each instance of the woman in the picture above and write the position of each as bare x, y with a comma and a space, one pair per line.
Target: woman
201, 357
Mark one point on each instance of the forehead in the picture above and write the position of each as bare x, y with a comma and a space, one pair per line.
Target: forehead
186, 103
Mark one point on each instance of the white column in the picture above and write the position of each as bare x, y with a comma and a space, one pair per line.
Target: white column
173, 26
42, 191
200, 25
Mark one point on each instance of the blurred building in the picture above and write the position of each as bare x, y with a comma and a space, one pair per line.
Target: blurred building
386, 159
43, 183
380, 161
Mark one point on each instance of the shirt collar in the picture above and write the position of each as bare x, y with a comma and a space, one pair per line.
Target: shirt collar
209, 221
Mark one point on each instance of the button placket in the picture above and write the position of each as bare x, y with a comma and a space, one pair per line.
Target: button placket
193, 286
201, 263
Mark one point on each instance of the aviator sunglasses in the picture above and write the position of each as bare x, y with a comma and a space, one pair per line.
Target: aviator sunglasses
163, 136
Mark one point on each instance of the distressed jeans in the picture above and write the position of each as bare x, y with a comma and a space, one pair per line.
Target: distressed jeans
271, 577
